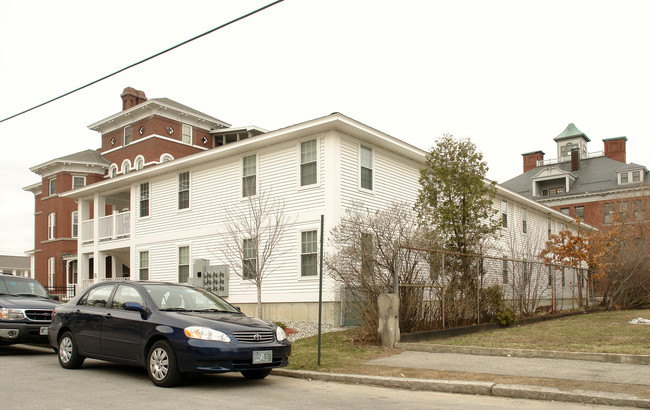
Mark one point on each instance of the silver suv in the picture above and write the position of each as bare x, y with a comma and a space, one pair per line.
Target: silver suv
25, 310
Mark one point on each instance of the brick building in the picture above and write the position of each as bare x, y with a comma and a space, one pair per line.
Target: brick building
592, 186
145, 133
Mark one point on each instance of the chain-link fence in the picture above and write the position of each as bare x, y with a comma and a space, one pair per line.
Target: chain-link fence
461, 289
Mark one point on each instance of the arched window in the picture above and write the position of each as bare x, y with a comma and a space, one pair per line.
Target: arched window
112, 171
126, 166
139, 162
166, 158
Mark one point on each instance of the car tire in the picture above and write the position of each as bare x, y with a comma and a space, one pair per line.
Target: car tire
256, 374
68, 354
162, 365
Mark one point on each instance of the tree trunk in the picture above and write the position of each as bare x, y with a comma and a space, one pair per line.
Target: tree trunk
259, 300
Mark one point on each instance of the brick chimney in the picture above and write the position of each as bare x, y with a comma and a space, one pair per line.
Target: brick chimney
531, 158
575, 159
132, 97
615, 148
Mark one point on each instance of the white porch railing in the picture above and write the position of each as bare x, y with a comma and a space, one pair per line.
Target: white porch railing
86, 283
552, 161
111, 227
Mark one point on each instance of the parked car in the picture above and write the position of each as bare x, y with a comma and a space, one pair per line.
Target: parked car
25, 310
170, 329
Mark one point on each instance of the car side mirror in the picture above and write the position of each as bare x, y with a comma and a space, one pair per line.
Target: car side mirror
136, 307
238, 308
56, 297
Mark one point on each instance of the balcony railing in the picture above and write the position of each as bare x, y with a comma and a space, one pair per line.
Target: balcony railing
86, 283
116, 226
567, 158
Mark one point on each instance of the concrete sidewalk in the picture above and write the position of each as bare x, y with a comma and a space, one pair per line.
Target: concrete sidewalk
534, 365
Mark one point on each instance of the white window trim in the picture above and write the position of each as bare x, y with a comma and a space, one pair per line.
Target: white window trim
166, 157
78, 176
126, 163
72, 224
113, 170
148, 264
372, 168
191, 134
299, 161
189, 191
135, 163
49, 186
51, 226
299, 259
241, 176
178, 260
124, 141
242, 279
148, 199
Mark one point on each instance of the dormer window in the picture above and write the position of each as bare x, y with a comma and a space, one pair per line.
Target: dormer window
636, 176
624, 178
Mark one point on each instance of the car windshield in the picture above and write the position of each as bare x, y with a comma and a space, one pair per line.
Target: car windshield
184, 298
22, 287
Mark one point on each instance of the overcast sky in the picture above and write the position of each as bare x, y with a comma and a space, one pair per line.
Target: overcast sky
509, 75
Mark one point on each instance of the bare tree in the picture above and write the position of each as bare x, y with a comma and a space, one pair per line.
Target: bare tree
254, 232
365, 244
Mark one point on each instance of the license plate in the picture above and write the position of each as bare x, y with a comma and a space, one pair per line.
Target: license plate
262, 356
44, 330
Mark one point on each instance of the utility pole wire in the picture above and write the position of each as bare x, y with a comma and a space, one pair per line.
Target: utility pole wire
144, 60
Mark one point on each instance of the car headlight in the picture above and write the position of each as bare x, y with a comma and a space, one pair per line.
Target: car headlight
11, 314
280, 335
205, 333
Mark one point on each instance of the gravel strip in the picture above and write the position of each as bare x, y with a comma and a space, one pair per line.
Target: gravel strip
307, 329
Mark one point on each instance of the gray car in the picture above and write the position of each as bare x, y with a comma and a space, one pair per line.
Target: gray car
25, 310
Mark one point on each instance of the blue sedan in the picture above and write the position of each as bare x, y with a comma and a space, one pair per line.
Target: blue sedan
170, 329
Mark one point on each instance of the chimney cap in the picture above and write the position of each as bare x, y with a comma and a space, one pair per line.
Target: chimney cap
615, 139
533, 152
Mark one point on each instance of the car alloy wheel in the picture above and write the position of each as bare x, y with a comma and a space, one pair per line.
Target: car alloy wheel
162, 365
69, 357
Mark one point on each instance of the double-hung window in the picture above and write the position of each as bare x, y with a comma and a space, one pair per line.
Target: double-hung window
504, 213
184, 190
51, 226
187, 134
144, 265
249, 260
366, 167
183, 264
52, 186
78, 181
127, 135
75, 224
249, 175
308, 253
308, 163
580, 212
144, 199
504, 270
524, 220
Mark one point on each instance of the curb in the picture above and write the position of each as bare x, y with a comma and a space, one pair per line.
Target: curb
542, 354
473, 387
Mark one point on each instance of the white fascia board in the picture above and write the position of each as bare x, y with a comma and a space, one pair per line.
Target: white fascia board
532, 204
153, 107
35, 188
333, 121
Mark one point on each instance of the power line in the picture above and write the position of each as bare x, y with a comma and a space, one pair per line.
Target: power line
144, 60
